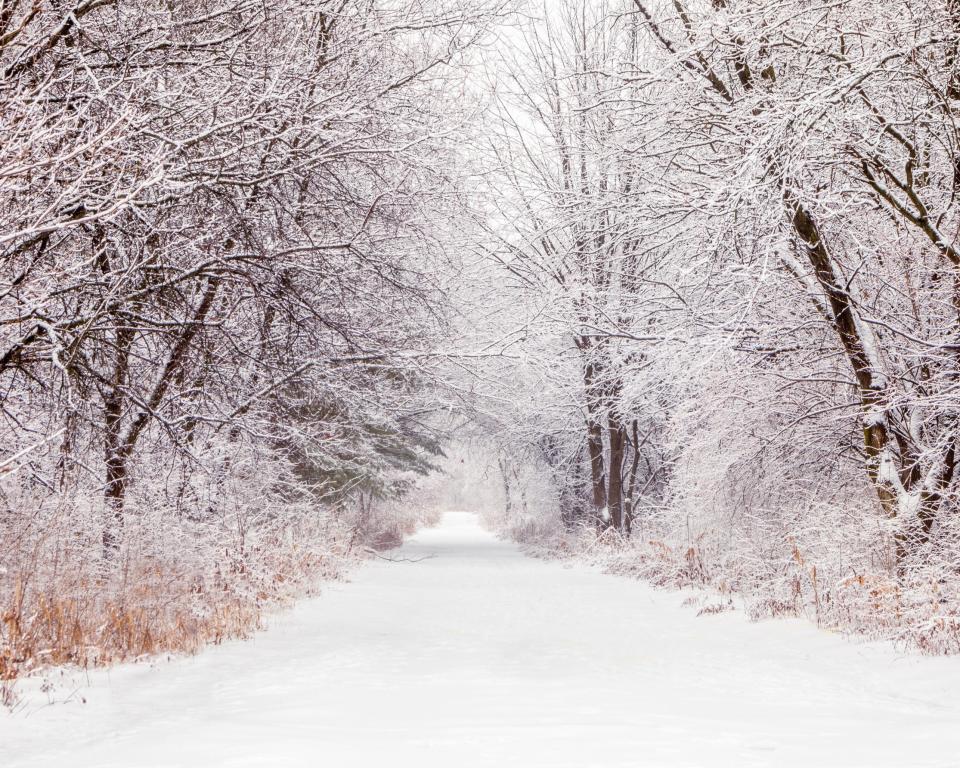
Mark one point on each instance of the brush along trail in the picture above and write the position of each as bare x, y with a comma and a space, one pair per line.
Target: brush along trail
458, 650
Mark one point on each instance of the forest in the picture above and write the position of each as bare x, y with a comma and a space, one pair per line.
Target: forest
668, 286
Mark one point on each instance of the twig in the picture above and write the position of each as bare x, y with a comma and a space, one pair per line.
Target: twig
398, 559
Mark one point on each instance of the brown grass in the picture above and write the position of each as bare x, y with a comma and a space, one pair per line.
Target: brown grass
72, 615
47, 627
859, 596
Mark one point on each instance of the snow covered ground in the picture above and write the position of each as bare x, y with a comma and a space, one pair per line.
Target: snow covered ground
474, 655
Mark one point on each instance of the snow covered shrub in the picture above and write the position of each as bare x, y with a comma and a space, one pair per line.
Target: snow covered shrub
202, 561
755, 506
174, 585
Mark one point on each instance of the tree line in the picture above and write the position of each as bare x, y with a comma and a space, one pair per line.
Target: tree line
731, 227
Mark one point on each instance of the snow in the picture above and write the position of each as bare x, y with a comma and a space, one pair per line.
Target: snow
464, 652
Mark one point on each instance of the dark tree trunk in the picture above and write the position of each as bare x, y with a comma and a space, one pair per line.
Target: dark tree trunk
598, 480
115, 453
115, 490
617, 439
630, 500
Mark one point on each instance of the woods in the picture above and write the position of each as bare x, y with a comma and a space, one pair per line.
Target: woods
735, 223
678, 278
221, 229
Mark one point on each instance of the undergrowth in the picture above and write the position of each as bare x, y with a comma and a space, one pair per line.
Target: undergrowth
841, 581
171, 589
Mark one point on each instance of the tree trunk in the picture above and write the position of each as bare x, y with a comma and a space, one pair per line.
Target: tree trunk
115, 490
617, 438
598, 481
115, 453
119, 443
883, 462
508, 500
630, 499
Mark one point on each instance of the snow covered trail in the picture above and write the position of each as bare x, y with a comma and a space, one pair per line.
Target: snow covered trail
475, 655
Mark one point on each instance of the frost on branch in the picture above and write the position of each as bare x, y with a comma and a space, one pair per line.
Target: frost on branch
728, 232
219, 235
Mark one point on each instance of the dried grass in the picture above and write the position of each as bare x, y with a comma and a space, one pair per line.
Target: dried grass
836, 576
173, 588
76, 616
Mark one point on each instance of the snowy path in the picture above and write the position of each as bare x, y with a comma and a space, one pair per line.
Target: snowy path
479, 656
